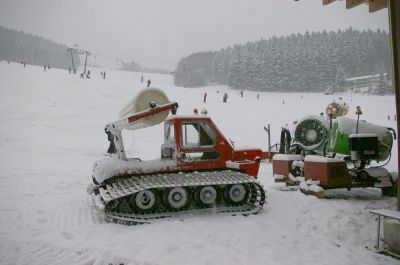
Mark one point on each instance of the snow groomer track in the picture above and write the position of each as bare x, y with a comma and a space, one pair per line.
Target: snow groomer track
119, 198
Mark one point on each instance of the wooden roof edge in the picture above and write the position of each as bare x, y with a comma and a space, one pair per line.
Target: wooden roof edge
373, 5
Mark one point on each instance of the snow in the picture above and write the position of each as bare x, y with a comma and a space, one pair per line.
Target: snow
245, 147
310, 185
321, 159
348, 126
279, 177
362, 135
324, 121
296, 179
363, 77
52, 132
388, 213
298, 163
285, 157
231, 164
108, 167
188, 116
377, 172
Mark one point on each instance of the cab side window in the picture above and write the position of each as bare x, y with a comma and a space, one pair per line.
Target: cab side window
197, 135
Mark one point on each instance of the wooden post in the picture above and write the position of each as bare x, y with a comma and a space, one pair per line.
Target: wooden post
394, 25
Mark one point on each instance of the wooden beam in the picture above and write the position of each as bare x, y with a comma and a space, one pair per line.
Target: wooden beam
376, 5
394, 27
327, 2
353, 3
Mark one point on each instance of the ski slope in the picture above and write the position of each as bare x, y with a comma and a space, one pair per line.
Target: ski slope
52, 131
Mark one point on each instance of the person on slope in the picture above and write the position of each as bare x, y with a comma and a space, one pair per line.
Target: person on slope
225, 98
110, 138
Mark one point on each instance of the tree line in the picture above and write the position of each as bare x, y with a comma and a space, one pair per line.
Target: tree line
313, 61
136, 67
18, 46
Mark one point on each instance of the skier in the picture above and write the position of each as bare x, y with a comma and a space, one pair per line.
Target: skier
110, 138
205, 97
81, 75
241, 93
88, 74
148, 82
104, 75
225, 98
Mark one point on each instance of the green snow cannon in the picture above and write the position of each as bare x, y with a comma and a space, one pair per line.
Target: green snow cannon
343, 136
312, 133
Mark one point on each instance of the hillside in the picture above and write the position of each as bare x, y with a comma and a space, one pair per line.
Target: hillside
52, 132
17, 46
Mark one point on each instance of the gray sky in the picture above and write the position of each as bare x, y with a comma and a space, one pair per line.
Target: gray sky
160, 32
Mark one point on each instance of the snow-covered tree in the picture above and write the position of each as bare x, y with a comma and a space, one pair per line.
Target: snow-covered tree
299, 62
18, 46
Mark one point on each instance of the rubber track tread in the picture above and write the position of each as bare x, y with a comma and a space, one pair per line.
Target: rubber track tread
135, 184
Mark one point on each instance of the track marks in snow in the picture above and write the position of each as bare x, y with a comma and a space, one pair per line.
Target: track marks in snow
32, 253
52, 219
75, 218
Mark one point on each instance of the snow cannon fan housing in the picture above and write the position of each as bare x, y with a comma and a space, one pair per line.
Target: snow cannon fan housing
311, 133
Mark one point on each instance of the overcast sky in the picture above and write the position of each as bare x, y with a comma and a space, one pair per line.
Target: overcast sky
160, 32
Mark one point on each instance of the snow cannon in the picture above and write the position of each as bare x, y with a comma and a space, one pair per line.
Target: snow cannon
312, 134
370, 141
318, 140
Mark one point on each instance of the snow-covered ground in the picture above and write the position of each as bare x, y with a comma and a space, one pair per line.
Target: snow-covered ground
52, 131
